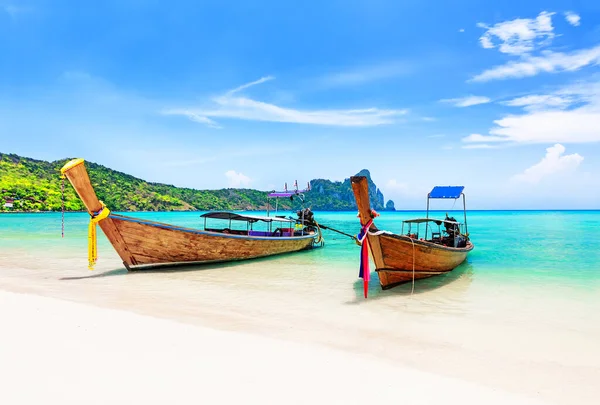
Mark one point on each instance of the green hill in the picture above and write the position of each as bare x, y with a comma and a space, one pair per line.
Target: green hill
35, 185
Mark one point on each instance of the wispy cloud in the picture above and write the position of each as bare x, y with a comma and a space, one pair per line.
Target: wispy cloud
483, 138
548, 62
568, 115
553, 163
540, 101
518, 36
572, 18
202, 120
230, 105
365, 74
247, 85
466, 101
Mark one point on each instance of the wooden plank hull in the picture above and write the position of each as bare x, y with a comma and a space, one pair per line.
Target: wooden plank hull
400, 258
153, 244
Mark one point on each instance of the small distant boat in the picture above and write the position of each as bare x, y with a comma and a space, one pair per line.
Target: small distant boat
147, 244
415, 253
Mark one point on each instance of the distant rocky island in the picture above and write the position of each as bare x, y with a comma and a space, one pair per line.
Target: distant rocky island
34, 185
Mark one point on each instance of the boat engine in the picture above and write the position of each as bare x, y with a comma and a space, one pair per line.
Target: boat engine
307, 214
451, 229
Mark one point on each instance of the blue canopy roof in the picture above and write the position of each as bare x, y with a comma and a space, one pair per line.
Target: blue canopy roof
446, 191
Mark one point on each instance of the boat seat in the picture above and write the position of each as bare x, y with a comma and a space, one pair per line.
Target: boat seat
436, 236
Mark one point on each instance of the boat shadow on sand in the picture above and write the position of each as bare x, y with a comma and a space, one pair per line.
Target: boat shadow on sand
181, 268
460, 277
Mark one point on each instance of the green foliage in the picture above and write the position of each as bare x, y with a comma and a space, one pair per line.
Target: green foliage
35, 185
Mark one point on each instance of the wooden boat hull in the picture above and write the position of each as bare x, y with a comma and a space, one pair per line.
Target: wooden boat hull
399, 259
152, 244
146, 244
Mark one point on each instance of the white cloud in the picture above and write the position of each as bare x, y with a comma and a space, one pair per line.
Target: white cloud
568, 115
553, 163
575, 126
572, 18
580, 125
461, 30
467, 101
244, 108
518, 36
548, 62
237, 180
543, 101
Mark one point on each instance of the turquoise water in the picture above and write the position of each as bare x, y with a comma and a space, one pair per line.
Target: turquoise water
510, 246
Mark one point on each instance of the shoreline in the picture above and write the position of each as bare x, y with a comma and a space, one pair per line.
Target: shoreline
49, 342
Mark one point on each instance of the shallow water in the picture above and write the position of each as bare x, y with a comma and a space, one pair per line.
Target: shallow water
525, 301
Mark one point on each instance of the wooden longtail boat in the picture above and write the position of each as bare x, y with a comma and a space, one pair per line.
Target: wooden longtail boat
146, 244
408, 257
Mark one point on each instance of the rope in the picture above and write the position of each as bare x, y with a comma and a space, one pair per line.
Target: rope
320, 238
92, 241
62, 192
412, 290
380, 233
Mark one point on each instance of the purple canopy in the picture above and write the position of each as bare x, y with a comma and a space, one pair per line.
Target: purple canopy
282, 194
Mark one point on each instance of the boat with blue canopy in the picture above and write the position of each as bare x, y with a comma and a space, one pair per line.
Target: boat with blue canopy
425, 247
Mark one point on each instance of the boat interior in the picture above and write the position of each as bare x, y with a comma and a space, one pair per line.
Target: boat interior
236, 224
447, 232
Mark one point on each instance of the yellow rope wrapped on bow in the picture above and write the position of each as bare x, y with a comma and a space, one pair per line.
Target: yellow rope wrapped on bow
92, 242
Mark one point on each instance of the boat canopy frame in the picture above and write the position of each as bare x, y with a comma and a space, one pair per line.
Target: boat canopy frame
449, 192
249, 219
288, 194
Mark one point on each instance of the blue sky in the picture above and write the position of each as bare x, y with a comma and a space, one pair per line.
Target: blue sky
502, 97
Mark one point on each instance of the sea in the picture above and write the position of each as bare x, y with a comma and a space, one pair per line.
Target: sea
521, 313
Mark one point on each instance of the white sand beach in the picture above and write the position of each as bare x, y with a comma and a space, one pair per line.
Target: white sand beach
284, 331
53, 351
